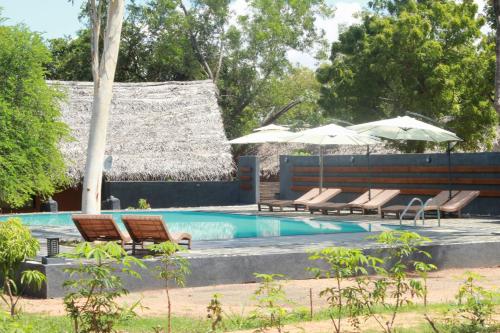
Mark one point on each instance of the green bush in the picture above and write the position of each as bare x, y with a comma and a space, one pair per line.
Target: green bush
16, 245
173, 268
94, 286
143, 204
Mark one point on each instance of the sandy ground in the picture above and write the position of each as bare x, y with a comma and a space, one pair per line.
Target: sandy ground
237, 298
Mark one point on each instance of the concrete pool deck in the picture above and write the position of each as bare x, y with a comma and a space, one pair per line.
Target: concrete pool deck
458, 243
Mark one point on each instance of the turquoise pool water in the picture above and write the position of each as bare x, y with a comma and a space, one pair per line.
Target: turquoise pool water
217, 226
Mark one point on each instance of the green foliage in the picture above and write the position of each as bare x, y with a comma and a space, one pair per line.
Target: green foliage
395, 289
30, 127
16, 245
343, 263
428, 57
296, 86
12, 325
143, 204
214, 310
475, 304
94, 286
173, 268
271, 299
245, 55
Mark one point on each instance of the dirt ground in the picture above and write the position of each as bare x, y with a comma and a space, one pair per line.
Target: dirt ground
237, 298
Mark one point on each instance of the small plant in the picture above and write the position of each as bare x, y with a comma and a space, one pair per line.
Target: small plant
173, 268
475, 303
395, 289
271, 299
94, 286
214, 310
16, 245
143, 204
343, 263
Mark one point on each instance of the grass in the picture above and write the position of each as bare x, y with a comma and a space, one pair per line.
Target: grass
61, 324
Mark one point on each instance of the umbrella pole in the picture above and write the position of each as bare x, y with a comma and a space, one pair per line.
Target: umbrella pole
320, 169
449, 170
369, 172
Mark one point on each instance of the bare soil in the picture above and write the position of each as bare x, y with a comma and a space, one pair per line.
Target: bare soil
237, 298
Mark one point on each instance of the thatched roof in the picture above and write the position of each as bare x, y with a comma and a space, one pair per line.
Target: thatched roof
157, 131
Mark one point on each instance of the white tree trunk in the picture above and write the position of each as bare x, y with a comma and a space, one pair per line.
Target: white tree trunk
103, 92
496, 7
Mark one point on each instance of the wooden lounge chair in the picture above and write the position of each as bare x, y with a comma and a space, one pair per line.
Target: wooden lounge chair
338, 206
151, 228
99, 228
289, 203
459, 202
323, 197
433, 205
377, 202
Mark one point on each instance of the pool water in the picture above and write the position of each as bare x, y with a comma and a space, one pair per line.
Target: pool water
216, 226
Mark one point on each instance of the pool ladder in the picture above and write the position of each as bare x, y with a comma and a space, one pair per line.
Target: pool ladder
421, 212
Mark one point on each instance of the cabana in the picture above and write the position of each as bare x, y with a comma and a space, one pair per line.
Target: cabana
166, 131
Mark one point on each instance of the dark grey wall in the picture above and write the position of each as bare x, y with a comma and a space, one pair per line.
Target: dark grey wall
188, 194
175, 194
251, 195
482, 205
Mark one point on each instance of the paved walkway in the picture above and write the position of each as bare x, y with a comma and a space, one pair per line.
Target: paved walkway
452, 231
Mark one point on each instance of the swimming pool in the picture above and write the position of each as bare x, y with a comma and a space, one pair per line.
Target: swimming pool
216, 226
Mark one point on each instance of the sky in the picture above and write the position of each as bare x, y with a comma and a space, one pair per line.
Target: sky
58, 18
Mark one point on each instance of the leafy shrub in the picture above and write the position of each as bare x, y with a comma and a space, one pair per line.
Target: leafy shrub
343, 263
143, 204
475, 304
271, 298
16, 245
395, 288
94, 286
173, 267
214, 310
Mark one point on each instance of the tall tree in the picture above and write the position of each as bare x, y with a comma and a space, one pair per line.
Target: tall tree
204, 39
428, 57
103, 73
30, 130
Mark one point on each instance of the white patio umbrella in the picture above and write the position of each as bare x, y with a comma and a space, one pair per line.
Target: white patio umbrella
267, 134
331, 135
408, 128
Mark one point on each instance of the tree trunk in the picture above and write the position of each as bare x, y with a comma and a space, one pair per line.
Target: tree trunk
103, 89
496, 6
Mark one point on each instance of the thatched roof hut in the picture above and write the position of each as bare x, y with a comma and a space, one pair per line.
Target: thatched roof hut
157, 131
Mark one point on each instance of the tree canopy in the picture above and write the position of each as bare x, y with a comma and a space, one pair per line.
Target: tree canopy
428, 57
30, 130
242, 53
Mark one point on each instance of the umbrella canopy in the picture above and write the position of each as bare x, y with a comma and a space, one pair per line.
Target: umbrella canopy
405, 128
408, 128
267, 134
331, 135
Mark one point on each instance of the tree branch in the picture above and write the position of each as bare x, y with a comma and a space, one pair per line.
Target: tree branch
195, 46
271, 117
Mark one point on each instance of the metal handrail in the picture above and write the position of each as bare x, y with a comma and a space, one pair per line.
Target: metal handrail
408, 207
422, 211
